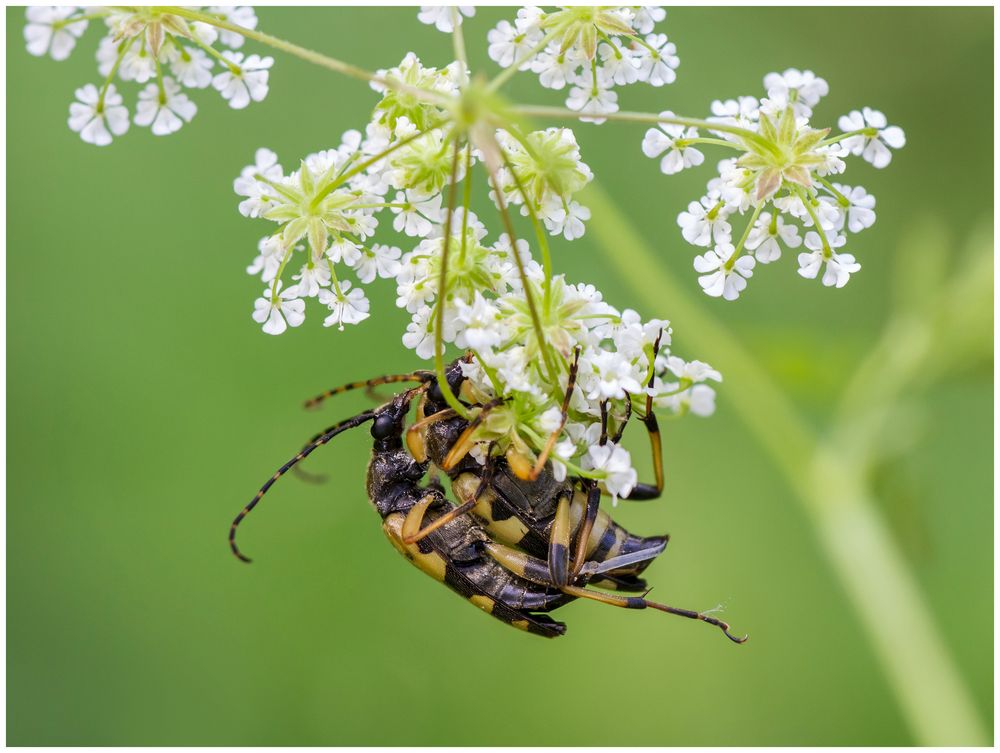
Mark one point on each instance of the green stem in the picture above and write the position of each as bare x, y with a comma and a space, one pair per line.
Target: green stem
466, 202
542, 111
682, 143
853, 537
543, 345
841, 136
543, 241
746, 233
458, 38
84, 17
804, 197
114, 72
233, 67
449, 396
841, 199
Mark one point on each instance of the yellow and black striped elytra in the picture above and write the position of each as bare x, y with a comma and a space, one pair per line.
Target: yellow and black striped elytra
543, 516
481, 562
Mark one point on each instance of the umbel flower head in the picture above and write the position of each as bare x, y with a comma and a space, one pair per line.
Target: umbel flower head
164, 52
589, 49
781, 177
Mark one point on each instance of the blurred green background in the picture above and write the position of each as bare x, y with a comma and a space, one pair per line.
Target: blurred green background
145, 408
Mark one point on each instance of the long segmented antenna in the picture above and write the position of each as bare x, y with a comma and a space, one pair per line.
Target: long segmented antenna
333, 431
368, 384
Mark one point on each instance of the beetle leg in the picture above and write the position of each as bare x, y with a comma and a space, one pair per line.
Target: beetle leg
536, 470
520, 563
586, 526
415, 440
466, 439
642, 492
639, 602
415, 517
369, 384
411, 537
559, 543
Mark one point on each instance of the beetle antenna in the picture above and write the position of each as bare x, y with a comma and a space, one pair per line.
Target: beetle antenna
302, 454
369, 384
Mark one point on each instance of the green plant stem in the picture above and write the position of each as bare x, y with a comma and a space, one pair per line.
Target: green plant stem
541, 111
453, 402
867, 562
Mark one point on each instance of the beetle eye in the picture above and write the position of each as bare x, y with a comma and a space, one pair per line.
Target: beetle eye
384, 427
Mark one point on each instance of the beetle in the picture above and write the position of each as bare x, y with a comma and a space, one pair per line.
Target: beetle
519, 501
512, 585
522, 504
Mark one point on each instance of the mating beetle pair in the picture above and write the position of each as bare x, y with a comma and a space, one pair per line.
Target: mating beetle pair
507, 546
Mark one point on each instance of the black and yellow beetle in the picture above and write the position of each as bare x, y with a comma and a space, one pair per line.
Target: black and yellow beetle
512, 585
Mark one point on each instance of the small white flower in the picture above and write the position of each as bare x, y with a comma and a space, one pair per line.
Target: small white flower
764, 237
241, 15
247, 83
554, 67
592, 100
138, 65
416, 216
699, 400
477, 324
656, 66
861, 210
614, 461
664, 139
97, 122
508, 44
312, 279
873, 149
619, 65
742, 111
705, 222
347, 307
801, 89
418, 336
260, 195
608, 374
568, 221
442, 17
646, 16
193, 68
268, 261
718, 277
41, 35
344, 251
839, 267
695, 371
278, 312
378, 261
166, 112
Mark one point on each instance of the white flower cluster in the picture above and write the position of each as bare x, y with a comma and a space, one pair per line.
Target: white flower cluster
492, 298
328, 209
782, 178
166, 52
621, 361
590, 49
